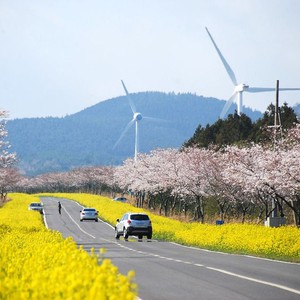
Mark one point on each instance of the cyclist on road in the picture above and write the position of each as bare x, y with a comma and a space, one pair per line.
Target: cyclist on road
59, 207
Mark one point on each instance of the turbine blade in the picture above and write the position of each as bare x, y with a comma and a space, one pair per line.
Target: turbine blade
125, 89
155, 119
123, 133
227, 105
289, 89
260, 90
226, 65
132, 106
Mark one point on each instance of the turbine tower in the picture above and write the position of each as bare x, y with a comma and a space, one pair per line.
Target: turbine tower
136, 118
239, 88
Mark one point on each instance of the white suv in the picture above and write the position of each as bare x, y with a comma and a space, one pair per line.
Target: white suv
138, 224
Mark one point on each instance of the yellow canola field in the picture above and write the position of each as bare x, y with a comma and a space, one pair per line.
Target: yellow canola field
277, 243
36, 263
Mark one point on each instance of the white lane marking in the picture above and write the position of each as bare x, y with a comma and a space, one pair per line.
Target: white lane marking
279, 286
233, 254
44, 217
45, 221
46, 224
199, 265
107, 224
77, 224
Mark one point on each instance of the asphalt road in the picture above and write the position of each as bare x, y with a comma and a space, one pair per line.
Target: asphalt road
169, 271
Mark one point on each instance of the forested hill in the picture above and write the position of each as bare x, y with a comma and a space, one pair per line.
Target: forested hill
241, 129
87, 137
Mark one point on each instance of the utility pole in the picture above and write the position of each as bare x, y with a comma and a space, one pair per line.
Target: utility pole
274, 205
277, 119
275, 220
276, 104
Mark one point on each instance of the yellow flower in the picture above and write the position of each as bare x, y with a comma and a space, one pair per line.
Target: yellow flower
37, 263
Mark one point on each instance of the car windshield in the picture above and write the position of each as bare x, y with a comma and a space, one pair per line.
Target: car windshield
139, 217
89, 210
35, 204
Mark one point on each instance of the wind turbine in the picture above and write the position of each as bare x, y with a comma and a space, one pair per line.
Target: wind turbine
136, 118
239, 88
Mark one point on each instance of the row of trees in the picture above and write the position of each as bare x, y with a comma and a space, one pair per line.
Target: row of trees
93, 180
239, 181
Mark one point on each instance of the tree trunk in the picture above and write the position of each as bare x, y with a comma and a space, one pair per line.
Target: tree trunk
296, 211
199, 209
223, 208
166, 202
173, 204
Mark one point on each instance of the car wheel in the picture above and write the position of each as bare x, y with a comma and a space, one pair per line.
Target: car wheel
96, 220
149, 236
125, 234
140, 237
80, 220
117, 236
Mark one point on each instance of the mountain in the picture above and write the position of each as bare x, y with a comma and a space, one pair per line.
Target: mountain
297, 110
87, 137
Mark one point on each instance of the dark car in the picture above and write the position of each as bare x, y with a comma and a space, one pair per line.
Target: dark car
37, 206
120, 199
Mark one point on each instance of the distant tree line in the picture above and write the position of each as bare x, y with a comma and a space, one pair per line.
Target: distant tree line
241, 130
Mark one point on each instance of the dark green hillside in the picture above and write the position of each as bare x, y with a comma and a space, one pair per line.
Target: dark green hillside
241, 129
88, 137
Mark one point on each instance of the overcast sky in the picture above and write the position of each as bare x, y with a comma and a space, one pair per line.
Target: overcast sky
58, 57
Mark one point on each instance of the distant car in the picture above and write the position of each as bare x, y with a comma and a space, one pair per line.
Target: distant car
120, 199
89, 214
36, 206
138, 224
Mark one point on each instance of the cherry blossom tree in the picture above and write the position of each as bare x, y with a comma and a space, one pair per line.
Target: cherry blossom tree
9, 177
242, 177
215, 172
286, 176
194, 182
7, 160
86, 180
